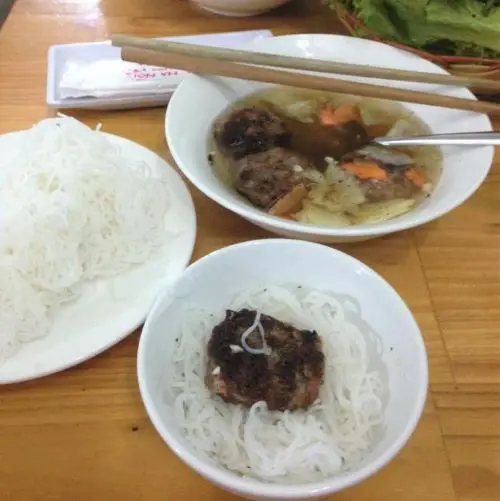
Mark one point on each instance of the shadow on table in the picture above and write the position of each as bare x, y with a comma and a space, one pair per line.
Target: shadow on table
5, 7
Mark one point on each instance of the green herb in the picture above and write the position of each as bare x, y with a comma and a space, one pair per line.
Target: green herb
457, 27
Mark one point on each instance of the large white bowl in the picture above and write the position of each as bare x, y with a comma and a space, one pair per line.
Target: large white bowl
213, 280
199, 99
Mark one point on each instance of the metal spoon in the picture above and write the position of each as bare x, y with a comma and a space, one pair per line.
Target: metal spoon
457, 138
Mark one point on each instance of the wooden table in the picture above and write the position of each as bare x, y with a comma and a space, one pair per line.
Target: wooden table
83, 435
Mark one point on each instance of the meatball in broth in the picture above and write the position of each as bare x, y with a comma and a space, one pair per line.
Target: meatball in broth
308, 156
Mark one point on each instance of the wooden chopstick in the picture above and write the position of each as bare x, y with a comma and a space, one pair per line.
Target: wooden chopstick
260, 74
299, 63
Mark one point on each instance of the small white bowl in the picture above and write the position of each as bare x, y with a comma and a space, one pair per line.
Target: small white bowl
213, 280
201, 98
239, 8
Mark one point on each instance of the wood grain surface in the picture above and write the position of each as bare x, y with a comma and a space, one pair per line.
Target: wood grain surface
83, 435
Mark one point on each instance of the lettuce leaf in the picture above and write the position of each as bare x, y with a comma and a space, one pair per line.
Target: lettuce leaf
460, 27
465, 23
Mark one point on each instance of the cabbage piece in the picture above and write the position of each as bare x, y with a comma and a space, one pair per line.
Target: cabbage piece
294, 105
348, 192
377, 212
315, 214
324, 196
302, 110
371, 114
403, 127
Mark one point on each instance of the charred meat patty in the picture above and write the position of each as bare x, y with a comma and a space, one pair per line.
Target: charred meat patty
264, 178
390, 173
288, 377
397, 187
316, 140
250, 130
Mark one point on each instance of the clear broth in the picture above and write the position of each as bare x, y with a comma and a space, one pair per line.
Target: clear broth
379, 118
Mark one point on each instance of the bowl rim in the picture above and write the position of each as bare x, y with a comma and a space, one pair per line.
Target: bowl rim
262, 218
251, 487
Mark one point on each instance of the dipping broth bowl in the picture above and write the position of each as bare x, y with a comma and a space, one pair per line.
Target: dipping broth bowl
201, 98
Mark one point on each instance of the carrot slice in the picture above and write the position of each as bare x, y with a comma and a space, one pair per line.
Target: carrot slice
341, 115
417, 177
327, 116
291, 202
365, 170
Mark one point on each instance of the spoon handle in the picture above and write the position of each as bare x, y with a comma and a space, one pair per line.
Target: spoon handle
459, 139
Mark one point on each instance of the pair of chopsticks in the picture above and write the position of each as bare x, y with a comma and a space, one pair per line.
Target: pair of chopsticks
242, 64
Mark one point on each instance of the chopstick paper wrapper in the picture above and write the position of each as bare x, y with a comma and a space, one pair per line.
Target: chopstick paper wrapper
116, 78
110, 77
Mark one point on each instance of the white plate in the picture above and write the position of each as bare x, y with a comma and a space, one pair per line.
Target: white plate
109, 310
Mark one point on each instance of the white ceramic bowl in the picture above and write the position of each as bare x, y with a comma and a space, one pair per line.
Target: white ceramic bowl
213, 280
199, 99
239, 8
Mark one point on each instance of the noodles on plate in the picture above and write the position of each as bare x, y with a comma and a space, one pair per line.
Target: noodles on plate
73, 208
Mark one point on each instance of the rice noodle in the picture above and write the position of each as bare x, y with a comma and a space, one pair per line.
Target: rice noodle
282, 447
73, 208
264, 349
